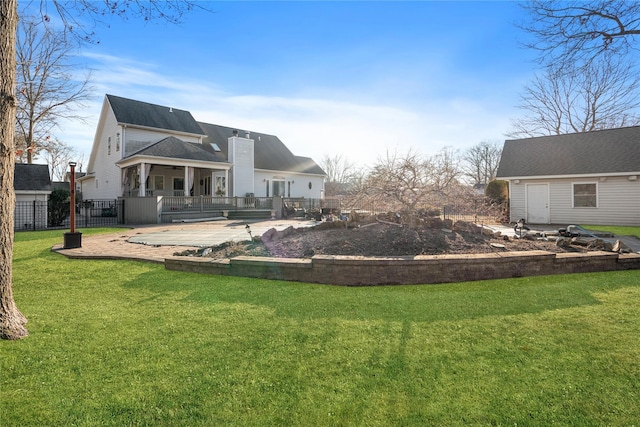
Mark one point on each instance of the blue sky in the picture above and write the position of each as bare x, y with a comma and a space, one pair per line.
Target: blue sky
350, 78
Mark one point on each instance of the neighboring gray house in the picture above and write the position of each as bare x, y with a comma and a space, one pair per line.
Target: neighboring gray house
142, 149
32, 185
580, 178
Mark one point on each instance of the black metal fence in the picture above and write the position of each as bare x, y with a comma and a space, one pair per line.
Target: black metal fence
480, 211
37, 215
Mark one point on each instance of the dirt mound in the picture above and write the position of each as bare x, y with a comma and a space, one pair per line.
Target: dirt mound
383, 239
380, 238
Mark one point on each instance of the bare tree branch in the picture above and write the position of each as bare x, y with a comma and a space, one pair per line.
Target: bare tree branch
410, 181
57, 154
567, 33
340, 173
480, 162
603, 95
47, 90
82, 17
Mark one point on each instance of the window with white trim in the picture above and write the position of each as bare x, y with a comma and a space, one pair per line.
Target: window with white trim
585, 195
155, 182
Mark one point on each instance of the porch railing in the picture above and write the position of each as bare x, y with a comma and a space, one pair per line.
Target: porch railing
214, 203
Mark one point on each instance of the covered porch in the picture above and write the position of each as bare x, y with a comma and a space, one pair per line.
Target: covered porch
173, 178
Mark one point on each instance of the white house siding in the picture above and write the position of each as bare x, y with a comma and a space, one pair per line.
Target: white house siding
106, 181
618, 201
124, 141
517, 200
296, 184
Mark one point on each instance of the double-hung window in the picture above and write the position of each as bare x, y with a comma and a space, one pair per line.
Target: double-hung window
585, 195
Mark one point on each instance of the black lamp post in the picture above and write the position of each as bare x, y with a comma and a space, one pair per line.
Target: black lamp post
73, 239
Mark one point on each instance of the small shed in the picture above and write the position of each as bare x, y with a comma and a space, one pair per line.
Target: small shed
579, 178
32, 185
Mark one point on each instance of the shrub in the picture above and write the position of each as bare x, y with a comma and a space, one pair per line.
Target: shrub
58, 206
497, 191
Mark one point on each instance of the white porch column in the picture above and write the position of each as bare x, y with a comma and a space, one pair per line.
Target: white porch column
186, 182
143, 180
226, 182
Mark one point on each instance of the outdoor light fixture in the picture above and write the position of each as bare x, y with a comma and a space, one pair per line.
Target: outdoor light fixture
72, 188
72, 239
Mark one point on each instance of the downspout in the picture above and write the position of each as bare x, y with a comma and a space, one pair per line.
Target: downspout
122, 141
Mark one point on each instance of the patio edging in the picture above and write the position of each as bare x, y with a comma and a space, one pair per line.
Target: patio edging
421, 269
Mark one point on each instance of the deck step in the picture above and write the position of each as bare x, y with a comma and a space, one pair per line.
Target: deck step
250, 214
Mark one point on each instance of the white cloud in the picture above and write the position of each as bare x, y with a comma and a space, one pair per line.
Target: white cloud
310, 127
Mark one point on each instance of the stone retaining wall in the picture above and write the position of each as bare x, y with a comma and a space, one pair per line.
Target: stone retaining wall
421, 269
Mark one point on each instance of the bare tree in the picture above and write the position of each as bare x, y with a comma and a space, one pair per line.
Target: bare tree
12, 321
576, 32
444, 171
400, 178
602, 95
58, 154
46, 88
480, 162
411, 181
339, 172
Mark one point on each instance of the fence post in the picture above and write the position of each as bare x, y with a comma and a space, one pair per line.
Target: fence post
87, 214
33, 214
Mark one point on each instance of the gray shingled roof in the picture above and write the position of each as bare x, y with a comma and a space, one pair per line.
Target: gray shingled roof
269, 152
176, 148
596, 152
140, 113
31, 177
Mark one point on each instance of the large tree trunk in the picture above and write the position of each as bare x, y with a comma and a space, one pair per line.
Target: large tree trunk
12, 321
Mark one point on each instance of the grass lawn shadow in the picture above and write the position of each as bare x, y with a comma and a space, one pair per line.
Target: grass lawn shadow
417, 303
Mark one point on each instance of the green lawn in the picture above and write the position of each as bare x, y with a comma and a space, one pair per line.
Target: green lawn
119, 343
615, 229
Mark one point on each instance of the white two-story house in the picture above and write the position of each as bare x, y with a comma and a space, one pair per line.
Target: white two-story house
142, 149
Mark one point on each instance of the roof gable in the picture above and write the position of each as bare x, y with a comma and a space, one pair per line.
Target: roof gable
175, 148
29, 177
144, 114
595, 152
